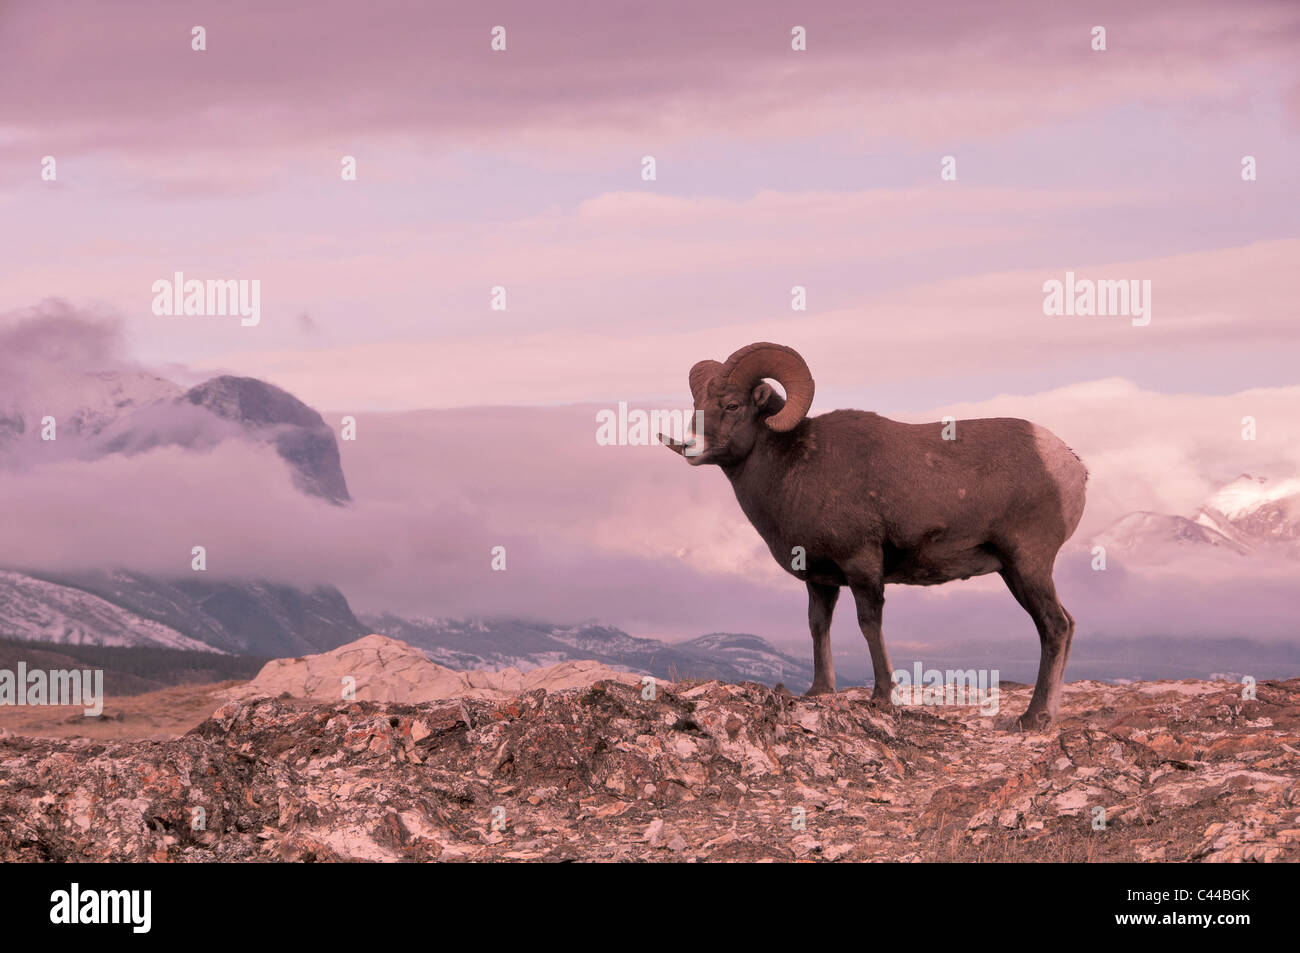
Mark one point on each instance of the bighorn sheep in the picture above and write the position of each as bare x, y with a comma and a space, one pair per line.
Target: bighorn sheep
874, 501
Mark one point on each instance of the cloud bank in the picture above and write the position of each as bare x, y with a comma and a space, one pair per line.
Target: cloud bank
627, 534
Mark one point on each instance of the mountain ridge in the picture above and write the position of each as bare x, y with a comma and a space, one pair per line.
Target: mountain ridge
1248, 516
101, 413
512, 643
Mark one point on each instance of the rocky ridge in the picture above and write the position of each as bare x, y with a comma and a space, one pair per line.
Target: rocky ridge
1178, 771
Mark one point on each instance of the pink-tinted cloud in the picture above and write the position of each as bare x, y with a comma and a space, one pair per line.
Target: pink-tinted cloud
1204, 306
127, 79
628, 534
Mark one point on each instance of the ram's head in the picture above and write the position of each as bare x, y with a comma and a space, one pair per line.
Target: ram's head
734, 403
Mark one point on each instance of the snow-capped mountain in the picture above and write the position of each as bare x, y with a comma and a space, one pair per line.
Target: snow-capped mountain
1249, 516
244, 617
1255, 511
130, 411
81, 404
502, 643
100, 413
126, 608
750, 654
40, 611
1154, 535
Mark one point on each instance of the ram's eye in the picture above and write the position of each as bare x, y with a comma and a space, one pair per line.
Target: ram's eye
733, 407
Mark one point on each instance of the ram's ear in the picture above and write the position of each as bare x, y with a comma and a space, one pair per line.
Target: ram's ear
762, 395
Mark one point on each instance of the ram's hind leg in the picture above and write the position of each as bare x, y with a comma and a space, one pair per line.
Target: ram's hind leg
1031, 583
821, 605
869, 594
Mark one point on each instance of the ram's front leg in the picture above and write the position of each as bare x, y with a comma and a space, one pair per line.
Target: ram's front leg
821, 606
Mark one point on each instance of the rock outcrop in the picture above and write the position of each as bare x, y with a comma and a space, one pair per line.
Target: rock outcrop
1176, 771
388, 670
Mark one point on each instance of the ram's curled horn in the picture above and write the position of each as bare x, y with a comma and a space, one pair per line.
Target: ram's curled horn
753, 362
701, 374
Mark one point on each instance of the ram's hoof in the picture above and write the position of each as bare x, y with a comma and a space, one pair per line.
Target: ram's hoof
819, 690
1033, 723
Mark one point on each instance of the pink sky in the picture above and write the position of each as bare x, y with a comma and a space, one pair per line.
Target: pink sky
775, 168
